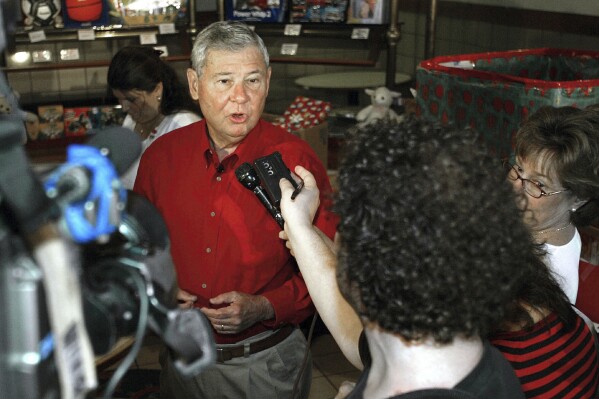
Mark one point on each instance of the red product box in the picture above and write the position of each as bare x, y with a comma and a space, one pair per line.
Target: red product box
77, 121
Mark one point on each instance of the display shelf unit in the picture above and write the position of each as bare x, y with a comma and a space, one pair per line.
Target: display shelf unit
324, 44
63, 68
82, 81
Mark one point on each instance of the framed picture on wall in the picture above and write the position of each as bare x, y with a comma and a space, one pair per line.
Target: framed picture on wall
367, 12
255, 10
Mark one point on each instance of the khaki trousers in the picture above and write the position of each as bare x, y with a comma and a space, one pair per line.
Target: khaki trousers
269, 374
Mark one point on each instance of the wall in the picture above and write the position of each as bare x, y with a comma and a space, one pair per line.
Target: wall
460, 29
582, 7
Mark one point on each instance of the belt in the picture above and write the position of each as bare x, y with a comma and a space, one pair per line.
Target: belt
245, 350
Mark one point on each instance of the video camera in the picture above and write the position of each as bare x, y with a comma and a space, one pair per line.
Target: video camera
83, 263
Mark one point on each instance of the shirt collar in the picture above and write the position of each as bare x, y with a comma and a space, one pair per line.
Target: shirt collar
246, 150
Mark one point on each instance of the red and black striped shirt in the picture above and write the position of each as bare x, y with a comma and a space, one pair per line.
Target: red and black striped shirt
552, 362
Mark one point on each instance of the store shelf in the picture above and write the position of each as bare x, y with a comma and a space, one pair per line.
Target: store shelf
77, 64
324, 44
100, 32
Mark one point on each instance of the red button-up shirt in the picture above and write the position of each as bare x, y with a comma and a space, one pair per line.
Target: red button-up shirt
222, 237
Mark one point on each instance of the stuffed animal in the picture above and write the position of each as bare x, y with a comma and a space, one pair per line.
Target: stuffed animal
381, 99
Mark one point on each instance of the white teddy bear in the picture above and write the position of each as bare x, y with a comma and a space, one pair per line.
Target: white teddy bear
381, 99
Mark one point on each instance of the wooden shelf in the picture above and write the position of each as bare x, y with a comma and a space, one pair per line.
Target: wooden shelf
77, 64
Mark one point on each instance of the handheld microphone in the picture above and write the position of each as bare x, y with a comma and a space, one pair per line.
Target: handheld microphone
248, 177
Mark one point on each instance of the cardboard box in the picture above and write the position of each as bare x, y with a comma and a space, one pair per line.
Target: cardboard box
493, 93
51, 123
255, 10
32, 126
105, 116
77, 121
318, 11
135, 12
367, 11
317, 136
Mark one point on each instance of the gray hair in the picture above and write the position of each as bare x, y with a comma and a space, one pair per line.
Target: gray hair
233, 36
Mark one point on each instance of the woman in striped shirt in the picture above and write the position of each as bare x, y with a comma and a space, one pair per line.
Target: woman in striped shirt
550, 347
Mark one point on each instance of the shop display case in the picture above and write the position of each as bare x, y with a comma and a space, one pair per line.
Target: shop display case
69, 66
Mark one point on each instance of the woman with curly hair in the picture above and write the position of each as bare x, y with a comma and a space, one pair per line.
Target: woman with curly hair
155, 99
426, 276
433, 257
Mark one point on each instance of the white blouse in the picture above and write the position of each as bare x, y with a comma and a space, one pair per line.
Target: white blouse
168, 124
563, 261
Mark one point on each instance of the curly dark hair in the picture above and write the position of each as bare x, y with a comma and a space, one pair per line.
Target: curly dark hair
566, 140
139, 67
432, 242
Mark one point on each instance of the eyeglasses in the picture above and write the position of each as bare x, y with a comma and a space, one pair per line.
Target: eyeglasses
532, 188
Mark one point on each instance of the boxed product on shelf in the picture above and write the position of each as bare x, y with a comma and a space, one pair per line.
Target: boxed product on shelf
255, 10
318, 10
366, 11
77, 121
51, 123
494, 92
32, 126
106, 115
85, 13
136, 12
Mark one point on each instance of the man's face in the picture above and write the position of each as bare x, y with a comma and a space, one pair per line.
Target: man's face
231, 92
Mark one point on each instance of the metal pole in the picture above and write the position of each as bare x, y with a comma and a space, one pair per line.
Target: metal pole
393, 37
221, 10
192, 16
429, 51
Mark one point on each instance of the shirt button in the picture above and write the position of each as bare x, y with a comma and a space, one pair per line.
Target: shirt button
218, 178
204, 285
208, 250
213, 214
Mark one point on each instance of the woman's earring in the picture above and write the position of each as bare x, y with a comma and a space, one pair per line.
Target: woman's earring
573, 209
159, 98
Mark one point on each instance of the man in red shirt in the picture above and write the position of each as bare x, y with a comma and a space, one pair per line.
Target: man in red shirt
229, 259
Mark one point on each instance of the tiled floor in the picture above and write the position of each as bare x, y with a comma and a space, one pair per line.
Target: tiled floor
329, 366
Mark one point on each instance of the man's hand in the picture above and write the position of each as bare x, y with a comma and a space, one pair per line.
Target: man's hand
243, 311
185, 299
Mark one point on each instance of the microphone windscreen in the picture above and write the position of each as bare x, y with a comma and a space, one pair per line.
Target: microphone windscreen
122, 146
144, 221
247, 176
